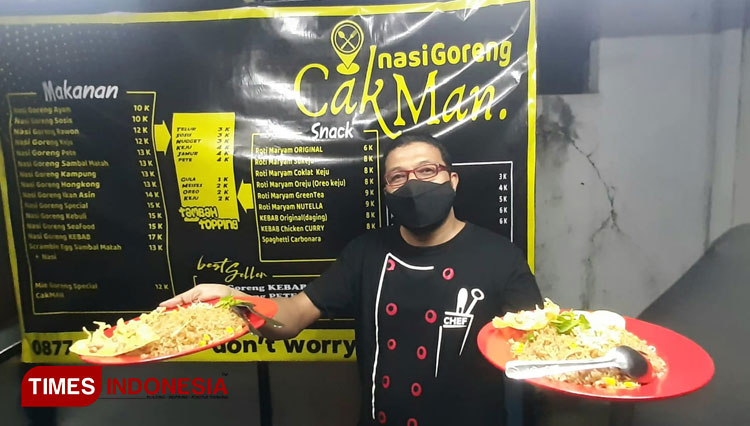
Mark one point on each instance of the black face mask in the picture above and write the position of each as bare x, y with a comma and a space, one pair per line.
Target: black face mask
421, 206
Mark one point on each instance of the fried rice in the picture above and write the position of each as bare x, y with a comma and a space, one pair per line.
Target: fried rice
167, 332
547, 344
187, 328
548, 339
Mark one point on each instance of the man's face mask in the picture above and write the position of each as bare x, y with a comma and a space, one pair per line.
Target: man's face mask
421, 206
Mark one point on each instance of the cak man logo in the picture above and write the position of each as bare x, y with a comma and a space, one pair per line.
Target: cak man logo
461, 318
347, 38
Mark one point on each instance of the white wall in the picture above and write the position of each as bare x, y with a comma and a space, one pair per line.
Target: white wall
741, 207
635, 180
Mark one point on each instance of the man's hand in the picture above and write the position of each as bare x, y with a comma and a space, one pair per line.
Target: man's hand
199, 293
296, 313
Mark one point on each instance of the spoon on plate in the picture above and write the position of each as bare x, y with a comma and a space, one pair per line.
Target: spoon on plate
624, 358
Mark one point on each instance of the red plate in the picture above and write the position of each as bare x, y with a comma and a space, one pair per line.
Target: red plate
689, 367
265, 306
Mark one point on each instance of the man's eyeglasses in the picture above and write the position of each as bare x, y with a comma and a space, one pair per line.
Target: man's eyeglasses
424, 172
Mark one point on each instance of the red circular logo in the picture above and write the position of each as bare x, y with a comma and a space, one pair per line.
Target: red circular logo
416, 389
391, 344
448, 273
391, 309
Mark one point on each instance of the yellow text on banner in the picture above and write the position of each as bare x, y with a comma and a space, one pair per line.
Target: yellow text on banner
204, 161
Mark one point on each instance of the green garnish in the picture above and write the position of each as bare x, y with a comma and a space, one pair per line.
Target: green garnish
583, 322
567, 321
229, 301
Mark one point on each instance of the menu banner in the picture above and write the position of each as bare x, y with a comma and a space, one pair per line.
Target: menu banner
144, 153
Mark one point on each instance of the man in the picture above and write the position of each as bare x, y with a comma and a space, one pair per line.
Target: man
419, 293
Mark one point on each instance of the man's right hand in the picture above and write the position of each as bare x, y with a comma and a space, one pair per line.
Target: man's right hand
200, 293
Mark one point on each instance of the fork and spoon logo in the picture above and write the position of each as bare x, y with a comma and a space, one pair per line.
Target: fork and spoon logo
347, 38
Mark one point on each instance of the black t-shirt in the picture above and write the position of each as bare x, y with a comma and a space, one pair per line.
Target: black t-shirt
418, 311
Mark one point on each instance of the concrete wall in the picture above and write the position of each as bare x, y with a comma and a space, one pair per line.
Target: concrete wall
741, 207
624, 176
634, 180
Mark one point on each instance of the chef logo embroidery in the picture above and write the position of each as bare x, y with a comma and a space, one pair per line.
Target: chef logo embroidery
461, 318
